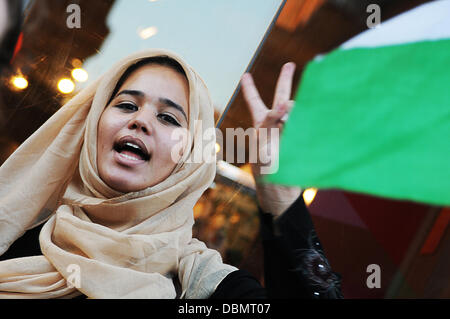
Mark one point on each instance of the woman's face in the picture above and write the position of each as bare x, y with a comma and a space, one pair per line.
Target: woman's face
134, 141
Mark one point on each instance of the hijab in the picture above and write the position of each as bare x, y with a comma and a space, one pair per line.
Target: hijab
97, 241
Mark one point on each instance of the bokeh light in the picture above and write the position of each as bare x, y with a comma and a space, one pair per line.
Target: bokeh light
80, 75
309, 194
19, 82
66, 86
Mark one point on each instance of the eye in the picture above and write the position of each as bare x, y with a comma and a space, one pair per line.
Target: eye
127, 107
169, 119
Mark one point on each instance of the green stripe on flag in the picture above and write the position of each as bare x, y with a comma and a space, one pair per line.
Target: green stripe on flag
373, 120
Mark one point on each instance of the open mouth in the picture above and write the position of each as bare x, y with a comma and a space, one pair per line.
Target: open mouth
132, 148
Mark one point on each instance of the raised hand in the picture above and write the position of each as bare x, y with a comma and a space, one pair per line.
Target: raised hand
272, 198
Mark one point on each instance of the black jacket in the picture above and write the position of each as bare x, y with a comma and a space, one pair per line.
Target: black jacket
294, 262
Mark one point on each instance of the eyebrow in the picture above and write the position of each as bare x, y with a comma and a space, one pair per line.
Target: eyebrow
132, 92
165, 101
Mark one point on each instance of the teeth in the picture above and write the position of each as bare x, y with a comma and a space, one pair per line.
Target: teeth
130, 157
132, 145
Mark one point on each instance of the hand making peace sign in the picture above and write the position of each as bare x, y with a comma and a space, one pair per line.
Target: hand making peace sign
272, 198
261, 115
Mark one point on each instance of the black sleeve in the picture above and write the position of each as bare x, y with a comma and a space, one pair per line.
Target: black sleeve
294, 262
295, 265
239, 284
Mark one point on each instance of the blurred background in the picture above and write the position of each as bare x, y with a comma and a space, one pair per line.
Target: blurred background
47, 63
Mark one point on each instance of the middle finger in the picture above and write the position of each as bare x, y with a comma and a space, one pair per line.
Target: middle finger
284, 84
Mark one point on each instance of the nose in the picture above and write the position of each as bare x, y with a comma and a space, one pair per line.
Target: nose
141, 122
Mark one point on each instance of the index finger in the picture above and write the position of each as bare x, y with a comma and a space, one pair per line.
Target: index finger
251, 96
284, 84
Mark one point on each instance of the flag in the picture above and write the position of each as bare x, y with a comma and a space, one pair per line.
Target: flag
373, 116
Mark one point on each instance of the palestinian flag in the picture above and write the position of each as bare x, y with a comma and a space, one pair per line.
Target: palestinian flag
373, 116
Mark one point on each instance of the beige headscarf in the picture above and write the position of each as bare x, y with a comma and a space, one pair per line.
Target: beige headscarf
105, 243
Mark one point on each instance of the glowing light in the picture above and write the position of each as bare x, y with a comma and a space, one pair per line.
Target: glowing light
235, 218
147, 32
76, 63
19, 82
218, 221
309, 194
80, 75
66, 86
217, 148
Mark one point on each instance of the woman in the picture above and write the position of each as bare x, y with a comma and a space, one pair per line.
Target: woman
114, 199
